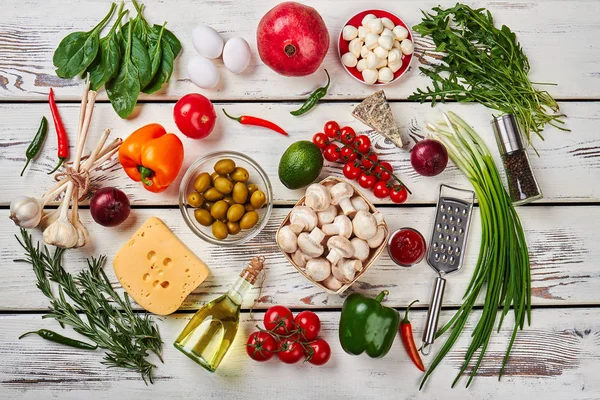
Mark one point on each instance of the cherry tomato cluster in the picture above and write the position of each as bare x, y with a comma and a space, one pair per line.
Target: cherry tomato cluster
360, 161
292, 339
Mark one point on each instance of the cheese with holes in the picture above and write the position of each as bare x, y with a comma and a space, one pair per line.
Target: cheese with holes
157, 269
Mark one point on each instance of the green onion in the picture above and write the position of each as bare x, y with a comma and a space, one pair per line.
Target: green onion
503, 263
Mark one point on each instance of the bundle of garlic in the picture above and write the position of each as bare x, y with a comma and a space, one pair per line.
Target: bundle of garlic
60, 228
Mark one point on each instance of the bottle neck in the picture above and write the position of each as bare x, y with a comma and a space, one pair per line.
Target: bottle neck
239, 290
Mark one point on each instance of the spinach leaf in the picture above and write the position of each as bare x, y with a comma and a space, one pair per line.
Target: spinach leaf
124, 89
171, 39
155, 50
78, 50
165, 68
141, 59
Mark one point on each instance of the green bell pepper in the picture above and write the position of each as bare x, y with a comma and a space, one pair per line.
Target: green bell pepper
366, 325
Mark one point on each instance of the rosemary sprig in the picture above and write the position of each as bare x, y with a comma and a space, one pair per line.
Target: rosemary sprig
128, 337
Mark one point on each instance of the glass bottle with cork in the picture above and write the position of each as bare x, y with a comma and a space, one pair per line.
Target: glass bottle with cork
522, 185
210, 332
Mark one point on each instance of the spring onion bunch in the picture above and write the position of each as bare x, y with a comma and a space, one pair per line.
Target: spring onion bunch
503, 264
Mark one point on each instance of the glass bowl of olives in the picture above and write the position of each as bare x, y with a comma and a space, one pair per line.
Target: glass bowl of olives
225, 198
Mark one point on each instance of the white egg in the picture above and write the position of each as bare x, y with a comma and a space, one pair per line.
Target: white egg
203, 72
207, 41
236, 55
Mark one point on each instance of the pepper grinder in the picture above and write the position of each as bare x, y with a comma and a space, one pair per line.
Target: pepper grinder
522, 185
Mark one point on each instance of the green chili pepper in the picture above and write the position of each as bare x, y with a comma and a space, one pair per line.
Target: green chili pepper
313, 99
58, 338
36, 143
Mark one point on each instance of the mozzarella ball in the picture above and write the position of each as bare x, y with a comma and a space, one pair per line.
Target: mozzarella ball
207, 41
400, 32
364, 51
349, 32
407, 47
372, 60
394, 55
380, 52
355, 46
387, 23
236, 55
388, 32
385, 75
349, 60
382, 63
362, 32
203, 73
361, 65
395, 66
387, 42
375, 25
371, 40
366, 19
370, 76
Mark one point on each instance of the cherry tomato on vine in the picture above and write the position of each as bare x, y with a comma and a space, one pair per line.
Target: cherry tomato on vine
384, 170
331, 152
290, 351
352, 170
320, 353
366, 180
348, 154
308, 325
332, 129
347, 135
362, 143
321, 140
367, 160
381, 190
398, 194
279, 319
261, 346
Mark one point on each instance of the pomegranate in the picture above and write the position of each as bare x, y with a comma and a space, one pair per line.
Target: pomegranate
292, 39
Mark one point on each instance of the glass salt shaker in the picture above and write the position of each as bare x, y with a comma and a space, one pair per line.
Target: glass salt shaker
522, 185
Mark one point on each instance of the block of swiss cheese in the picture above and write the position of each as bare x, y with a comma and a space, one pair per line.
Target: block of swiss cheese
157, 269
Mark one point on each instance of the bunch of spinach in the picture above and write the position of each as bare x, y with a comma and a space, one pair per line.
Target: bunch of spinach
132, 58
484, 64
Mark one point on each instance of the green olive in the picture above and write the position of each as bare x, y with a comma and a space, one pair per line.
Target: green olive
240, 193
213, 194
233, 228
252, 188
248, 207
219, 230
258, 199
240, 174
249, 220
219, 209
203, 217
207, 205
229, 200
235, 212
195, 199
213, 176
225, 166
223, 185
202, 182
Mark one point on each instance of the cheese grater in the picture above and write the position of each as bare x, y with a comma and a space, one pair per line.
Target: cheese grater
446, 248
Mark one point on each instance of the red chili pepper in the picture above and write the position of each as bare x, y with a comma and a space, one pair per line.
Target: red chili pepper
408, 340
63, 139
250, 120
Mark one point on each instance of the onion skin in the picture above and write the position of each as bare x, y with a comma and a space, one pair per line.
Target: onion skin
429, 157
109, 206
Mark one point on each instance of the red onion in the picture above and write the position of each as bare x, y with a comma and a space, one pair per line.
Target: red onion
429, 157
109, 206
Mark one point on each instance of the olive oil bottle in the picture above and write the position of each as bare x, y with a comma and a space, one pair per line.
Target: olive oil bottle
207, 337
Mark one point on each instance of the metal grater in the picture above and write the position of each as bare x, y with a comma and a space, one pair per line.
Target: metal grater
446, 249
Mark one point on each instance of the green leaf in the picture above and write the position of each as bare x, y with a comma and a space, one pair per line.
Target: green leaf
174, 43
106, 64
141, 59
164, 70
124, 89
155, 51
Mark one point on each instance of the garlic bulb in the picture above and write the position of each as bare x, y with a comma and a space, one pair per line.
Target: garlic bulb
25, 212
47, 219
82, 234
61, 233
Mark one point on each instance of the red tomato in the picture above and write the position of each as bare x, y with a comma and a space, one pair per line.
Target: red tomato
399, 194
348, 154
384, 170
261, 346
279, 319
381, 190
367, 161
362, 143
332, 129
308, 325
195, 116
366, 180
347, 135
290, 351
331, 152
320, 139
351, 170
319, 352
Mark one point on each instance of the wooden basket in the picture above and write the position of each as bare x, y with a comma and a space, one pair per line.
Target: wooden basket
368, 262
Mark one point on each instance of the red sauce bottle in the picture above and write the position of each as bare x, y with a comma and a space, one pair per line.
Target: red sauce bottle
406, 247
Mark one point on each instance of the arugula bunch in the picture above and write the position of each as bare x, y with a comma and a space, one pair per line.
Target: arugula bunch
481, 63
132, 58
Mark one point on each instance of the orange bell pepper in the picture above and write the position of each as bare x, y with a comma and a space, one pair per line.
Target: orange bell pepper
152, 156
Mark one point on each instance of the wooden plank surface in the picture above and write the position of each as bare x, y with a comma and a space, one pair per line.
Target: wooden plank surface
30, 38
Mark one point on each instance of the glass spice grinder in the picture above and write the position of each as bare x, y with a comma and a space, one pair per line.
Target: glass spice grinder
522, 185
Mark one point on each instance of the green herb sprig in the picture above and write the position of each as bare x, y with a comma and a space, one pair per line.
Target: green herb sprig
128, 337
481, 63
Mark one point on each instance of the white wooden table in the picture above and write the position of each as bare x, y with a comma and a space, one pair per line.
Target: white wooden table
556, 358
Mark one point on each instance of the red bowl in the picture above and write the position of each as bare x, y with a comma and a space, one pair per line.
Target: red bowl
356, 21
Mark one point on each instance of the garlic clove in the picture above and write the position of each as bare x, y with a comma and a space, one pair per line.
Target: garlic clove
349, 60
387, 23
371, 40
349, 32
355, 47
400, 32
375, 25
385, 41
407, 47
370, 76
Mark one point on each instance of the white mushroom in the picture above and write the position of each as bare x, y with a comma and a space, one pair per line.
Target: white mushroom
332, 284
341, 226
317, 197
339, 247
359, 204
378, 218
287, 240
361, 249
340, 195
302, 218
310, 244
300, 258
318, 269
344, 270
365, 225
327, 216
379, 237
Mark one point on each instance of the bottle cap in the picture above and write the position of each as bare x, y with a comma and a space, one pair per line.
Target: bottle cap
508, 135
253, 269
